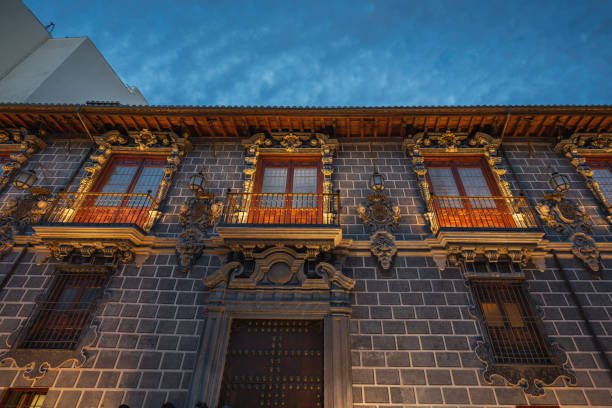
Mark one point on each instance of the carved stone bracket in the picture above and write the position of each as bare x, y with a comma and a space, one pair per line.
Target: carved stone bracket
531, 378
19, 213
517, 255
289, 143
114, 252
196, 216
22, 146
577, 148
570, 219
38, 362
421, 144
141, 142
380, 216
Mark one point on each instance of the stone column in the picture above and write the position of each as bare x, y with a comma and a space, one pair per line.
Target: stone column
208, 371
338, 391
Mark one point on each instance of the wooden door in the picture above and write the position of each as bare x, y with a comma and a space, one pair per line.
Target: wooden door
274, 363
288, 191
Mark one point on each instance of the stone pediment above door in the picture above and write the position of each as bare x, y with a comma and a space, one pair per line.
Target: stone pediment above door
280, 268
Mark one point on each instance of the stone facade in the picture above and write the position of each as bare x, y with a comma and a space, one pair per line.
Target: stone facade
412, 334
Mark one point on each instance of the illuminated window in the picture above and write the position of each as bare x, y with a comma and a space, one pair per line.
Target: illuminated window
512, 328
465, 194
23, 398
287, 190
602, 174
66, 311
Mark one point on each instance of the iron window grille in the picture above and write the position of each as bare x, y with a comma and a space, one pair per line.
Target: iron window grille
63, 316
512, 328
23, 398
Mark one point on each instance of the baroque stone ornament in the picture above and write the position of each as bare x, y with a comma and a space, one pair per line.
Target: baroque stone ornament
167, 144
112, 251
381, 217
196, 216
289, 143
21, 145
37, 362
571, 220
577, 148
21, 212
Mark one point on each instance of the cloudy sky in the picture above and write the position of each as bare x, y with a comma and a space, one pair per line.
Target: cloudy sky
366, 53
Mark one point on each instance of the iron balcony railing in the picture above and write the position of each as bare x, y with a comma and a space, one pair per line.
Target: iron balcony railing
281, 209
481, 213
103, 208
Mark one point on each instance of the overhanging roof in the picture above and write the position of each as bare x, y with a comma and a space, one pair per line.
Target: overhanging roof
532, 122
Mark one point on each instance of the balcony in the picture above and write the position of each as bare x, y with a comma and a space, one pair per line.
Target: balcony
281, 216
99, 215
492, 219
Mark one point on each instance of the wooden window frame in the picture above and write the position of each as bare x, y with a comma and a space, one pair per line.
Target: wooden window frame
34, 391
114, 161
291, 162
57, 328
508, 339
474, 213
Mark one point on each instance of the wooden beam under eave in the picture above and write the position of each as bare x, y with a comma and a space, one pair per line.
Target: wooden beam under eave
73, 124
196, 126
20, 122
587, 126
551, 126
49, 119
234, 127
604, 126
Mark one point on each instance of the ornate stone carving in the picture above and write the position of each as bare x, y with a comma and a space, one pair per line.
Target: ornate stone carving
278, 266
196, 216
144, 141
531, 378
38, 362
517, 255
382, 246
380, 216
482, 144
283, 142
114, 252
577, 147
19, 213
571, 220
22, 146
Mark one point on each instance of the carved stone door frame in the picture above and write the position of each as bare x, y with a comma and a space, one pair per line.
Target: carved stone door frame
325, 298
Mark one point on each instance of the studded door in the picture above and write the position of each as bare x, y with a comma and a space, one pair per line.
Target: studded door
274, 363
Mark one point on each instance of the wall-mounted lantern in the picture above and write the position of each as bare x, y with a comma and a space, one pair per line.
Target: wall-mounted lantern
559, 183
377, 182
198, 183
25, 179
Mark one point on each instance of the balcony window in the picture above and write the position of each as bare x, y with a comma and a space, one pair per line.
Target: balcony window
512, 328
464, 195
124, 194
63, 316
287, 190
23, 398
602, 174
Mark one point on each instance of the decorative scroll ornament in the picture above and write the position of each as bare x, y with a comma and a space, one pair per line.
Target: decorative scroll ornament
519, 256
19, 213
167, 144
577, 148
22, 146
38, 362
380, 216
289, 143
279, 267
531, 378
196, 216
571, 220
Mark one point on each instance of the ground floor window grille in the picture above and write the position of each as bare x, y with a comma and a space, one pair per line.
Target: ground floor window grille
63, 316
512, 327
23, 398
274, 363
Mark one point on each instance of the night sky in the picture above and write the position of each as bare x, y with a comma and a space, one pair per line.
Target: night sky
358, 53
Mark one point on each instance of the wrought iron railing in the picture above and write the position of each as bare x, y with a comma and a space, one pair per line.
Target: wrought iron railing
103, 208
481, 213
281, 209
